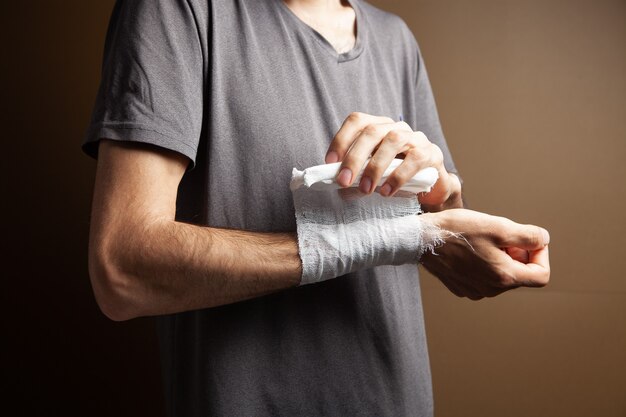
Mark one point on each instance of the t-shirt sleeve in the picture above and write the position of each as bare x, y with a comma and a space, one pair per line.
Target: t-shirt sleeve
151, 89
427, 116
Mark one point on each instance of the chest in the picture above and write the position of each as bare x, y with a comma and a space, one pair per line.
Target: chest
277, 97
337, 25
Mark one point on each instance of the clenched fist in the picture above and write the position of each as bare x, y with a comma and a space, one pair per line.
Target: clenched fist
490, 255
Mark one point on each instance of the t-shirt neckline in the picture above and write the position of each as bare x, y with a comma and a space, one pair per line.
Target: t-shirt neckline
353, 53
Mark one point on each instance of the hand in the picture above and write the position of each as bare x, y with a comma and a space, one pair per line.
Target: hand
363, 135
493, 255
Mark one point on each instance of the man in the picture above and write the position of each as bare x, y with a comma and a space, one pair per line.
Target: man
202, 112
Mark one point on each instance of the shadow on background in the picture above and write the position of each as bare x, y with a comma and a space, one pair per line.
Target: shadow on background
64, 357
532, 97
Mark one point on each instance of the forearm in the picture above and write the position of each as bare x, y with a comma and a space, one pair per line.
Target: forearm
143, 262
163, 266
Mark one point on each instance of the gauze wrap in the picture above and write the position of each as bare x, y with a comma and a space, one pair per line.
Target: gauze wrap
341, 230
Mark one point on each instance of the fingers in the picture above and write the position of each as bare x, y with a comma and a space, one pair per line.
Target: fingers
387, 136
407, 169
397, 140
421, 154
513, 273
350, 128
376, 167
535, 273
520, 255
363, 136
479, 265
524, 236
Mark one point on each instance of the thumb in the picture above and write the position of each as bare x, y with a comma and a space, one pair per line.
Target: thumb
527, 236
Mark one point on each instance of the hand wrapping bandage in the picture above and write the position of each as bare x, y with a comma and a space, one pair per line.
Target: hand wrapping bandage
342, 231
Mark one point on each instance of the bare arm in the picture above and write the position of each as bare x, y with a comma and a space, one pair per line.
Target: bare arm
143, 262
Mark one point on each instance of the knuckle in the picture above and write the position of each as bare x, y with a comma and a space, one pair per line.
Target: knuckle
397, 178
371, 130
349, 161
395, 138
394, 180
374, 167
544, 279
421, 137
404, 126
355, 117
414, 155
532, 236
436, 153
410, 166
498, 230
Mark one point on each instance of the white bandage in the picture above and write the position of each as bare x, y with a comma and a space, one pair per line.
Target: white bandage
322, 177
342, 231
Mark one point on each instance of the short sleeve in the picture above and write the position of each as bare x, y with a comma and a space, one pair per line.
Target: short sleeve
151, 89
427, 116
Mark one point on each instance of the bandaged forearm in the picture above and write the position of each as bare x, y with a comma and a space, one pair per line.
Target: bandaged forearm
342, 231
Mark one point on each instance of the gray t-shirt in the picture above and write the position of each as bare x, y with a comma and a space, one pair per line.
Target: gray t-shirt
247, 91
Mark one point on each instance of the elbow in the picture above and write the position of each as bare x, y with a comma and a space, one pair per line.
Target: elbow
113, 289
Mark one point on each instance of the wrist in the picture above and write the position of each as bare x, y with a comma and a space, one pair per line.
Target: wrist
431, 218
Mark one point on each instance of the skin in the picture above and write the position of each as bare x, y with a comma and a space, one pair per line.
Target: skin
334, 20
143, 262
363, 135
493, 255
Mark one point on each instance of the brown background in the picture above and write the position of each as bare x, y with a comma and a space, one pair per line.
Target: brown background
532, 96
